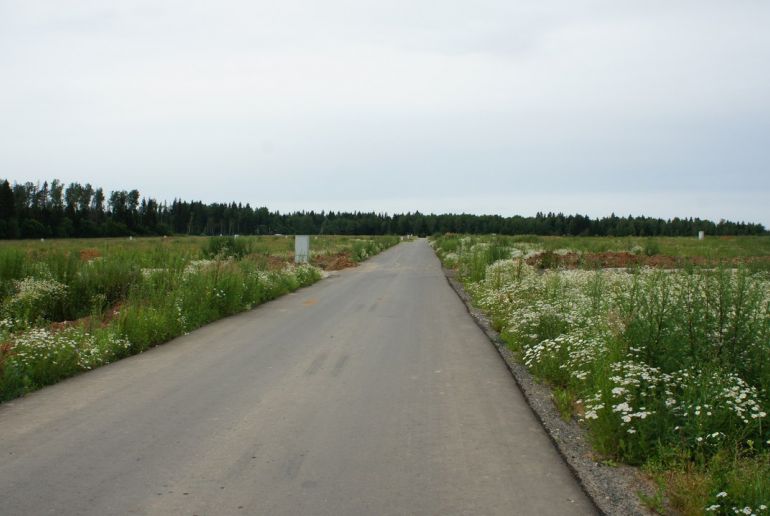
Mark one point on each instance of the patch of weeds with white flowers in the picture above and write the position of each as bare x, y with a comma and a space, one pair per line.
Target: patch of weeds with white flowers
65, 308
61, 315
663, 363
41, 356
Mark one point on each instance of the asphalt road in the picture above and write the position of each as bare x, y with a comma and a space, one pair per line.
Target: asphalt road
371, 392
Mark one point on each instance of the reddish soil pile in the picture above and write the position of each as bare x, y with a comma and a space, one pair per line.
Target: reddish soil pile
573, 260
334, 262
270, 262
276, 263
608, 260
89, 253
754, 259
5, 351
327, 262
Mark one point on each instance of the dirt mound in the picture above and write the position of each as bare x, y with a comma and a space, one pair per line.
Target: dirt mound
334, 262
271, 262
609, 260
277, 263
89, 253
327, 262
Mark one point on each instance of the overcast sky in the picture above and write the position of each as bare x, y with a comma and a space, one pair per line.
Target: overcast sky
657, 107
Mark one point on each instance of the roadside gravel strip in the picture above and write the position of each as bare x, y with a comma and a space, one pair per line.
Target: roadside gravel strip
613, 489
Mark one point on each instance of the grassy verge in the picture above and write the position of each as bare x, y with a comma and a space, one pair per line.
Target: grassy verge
752, 252
69, 306
668, 369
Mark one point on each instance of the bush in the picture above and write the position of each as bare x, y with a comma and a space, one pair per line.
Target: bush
227, 246
651, 247
34, 299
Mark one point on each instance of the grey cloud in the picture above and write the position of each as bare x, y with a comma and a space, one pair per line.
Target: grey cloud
368, 101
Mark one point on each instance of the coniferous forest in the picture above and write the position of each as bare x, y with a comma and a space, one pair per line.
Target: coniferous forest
53, 210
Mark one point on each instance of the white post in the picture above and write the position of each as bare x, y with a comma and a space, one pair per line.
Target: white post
701, 235
301, 248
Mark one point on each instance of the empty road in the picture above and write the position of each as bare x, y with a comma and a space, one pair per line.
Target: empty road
371, 392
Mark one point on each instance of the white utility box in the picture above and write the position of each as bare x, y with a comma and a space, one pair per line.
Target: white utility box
301, 248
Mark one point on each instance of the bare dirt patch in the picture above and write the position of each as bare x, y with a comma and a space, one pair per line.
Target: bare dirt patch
327, 262
624, 260
89, 253
334, 262
271, 262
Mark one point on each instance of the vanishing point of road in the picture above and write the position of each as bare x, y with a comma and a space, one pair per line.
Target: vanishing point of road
371, 392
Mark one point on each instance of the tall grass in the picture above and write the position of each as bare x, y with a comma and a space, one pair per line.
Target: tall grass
364, 248
667, 369
225, 246
749, 248
125, 296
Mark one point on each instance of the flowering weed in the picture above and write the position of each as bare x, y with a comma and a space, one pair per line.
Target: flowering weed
661, 363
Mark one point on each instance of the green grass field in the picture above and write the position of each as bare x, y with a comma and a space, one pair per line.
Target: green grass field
711, 247
193, 245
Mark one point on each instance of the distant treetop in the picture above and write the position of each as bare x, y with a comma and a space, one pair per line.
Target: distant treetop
31, 210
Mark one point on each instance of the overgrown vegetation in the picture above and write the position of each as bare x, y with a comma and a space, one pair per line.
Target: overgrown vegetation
668, 369
69, 306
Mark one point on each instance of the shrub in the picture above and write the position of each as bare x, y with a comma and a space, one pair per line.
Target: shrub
227, 246
34, 299
651, 247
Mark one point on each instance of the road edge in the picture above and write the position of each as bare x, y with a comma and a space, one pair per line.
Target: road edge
612, 489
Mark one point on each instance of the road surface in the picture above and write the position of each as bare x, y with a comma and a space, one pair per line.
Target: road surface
371, 392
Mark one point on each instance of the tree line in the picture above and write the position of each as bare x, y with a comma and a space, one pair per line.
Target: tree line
32, 210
